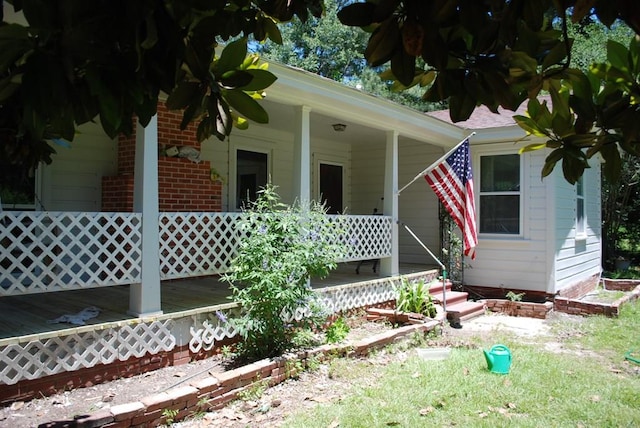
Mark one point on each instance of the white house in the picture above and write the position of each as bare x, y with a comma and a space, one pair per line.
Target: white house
111, 219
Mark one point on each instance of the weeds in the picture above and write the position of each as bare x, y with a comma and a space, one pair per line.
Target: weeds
338, 331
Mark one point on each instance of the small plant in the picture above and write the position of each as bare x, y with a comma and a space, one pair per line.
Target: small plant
514, 297
304, 338
293, 368
415, 297
254, 391
337, 332
227, 352
169, 415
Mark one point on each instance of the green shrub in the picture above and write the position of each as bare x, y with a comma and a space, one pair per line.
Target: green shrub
283, 247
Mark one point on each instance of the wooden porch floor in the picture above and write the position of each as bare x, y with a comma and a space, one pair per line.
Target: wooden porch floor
29, 314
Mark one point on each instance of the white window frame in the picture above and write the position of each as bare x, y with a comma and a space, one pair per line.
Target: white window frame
233, 173
581, 226
477, 174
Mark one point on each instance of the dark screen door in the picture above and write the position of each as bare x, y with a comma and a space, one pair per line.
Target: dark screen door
331, 187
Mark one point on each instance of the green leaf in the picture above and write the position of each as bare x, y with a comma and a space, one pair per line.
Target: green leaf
272, 30
232, 56
357, 14
235, 79
532, 147
530, 126
617, 55
7, 88
246, 106
383, 42
262, 79
551, 160
555, 55
184, 94
403, 66
461, 106
612, 162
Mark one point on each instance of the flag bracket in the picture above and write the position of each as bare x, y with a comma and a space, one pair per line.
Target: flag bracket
442, 266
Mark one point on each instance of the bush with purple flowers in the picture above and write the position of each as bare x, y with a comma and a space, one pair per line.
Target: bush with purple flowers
285, 246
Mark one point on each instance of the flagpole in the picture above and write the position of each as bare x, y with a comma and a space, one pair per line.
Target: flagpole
446, 155
442, 266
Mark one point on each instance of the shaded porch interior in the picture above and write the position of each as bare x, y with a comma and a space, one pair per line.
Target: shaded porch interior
27, 315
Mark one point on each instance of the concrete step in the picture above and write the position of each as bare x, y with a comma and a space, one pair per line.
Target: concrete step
452, 297
436, 287
462, 311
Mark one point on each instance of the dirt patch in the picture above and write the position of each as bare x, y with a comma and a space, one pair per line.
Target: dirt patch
268, 407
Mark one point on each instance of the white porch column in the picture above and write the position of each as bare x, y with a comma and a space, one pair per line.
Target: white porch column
144, 298
302, 155
390, 266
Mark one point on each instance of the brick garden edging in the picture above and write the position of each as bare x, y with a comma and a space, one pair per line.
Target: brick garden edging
218, 390
581, 307
519, 309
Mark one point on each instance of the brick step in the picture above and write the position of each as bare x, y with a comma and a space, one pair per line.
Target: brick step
463, 311
453, 297
436, 287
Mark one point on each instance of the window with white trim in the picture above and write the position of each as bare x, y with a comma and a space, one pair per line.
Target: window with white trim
580, 208
499, 196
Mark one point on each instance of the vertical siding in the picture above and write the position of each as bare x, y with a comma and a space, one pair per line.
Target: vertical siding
577, 258
73, 181
515, 262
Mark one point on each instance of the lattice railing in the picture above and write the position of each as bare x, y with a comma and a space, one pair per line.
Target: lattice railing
52, 251
195, 244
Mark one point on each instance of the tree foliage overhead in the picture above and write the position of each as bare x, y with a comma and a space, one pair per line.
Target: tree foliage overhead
502, 53
76, 61
326, 47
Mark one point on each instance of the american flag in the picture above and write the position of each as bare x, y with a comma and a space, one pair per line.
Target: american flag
452, 180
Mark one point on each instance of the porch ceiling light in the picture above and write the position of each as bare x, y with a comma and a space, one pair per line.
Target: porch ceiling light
339, 127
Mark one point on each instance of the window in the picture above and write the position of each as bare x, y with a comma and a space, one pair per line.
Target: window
251, 175
500, 194
580, 217
17, 188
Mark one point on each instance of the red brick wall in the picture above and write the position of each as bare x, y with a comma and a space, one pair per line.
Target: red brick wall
183, 185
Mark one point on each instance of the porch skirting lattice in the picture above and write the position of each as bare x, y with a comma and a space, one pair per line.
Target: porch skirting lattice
88, 346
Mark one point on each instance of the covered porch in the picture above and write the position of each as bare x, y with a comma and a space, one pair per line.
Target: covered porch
28, 316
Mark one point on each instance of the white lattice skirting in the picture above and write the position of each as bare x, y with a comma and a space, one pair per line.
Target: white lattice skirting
38, 358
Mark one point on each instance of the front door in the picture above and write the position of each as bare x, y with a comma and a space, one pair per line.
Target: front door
331, 187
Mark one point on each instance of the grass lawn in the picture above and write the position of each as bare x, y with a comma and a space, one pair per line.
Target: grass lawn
585, 384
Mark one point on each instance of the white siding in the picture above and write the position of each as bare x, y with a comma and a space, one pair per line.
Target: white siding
418, 204
577, 257
279, 146
515, 262
73, 182
367, 177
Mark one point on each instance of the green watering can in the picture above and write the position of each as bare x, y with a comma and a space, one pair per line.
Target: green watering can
498, 359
